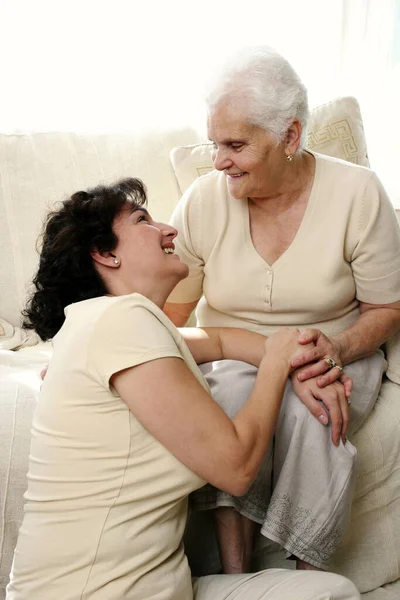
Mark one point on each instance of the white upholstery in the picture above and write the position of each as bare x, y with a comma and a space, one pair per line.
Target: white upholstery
369, 553
393, 352
20, 384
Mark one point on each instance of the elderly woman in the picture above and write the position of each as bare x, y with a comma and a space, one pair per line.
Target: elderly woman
281, 236
125, 427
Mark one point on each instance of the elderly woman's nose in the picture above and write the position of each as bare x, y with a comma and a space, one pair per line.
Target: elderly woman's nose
221, 159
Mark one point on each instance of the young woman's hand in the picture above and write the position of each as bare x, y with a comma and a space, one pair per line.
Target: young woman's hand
284, 345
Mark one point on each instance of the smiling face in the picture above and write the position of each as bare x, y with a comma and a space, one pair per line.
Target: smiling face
253, 163
145, 252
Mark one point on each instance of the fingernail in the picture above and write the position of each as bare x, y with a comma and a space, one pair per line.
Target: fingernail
323, 419
300, 377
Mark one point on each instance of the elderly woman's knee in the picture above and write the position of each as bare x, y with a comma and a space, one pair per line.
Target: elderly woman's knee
231, 383
293, 406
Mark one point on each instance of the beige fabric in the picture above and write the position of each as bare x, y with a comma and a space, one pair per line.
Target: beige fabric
39, 169
391, 591
334, 129
393, 349
106, 502
347, 248
369, 552
13, 338
190, 162
393, 357
275, 584
19, 388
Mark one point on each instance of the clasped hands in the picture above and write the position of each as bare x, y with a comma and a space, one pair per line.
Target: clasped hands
323, 389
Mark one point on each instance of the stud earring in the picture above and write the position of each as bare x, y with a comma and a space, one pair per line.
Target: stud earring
116, 261
289, 157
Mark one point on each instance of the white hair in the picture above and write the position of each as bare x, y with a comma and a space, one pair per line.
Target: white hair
264, 87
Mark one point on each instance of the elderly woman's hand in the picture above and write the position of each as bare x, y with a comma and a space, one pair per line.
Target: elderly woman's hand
324, 352
332, 397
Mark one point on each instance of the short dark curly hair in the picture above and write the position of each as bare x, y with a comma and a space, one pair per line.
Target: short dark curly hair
66, 272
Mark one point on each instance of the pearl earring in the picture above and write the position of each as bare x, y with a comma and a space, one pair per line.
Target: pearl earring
116, 261
289, 157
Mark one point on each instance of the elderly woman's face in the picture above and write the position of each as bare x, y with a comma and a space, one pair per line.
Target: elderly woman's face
252, 161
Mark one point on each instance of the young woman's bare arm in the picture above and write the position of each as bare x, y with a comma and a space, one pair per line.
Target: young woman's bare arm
219, 343
168, 400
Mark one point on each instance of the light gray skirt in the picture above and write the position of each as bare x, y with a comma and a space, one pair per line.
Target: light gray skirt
302, 494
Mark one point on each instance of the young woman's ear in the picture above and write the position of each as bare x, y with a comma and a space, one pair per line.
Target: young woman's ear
108, 259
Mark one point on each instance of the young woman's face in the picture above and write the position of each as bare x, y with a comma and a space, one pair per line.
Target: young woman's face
251, 159
145, 249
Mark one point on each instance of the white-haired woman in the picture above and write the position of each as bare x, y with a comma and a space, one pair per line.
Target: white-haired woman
278, 235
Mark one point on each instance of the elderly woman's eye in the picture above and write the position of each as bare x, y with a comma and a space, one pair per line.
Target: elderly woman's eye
237, 145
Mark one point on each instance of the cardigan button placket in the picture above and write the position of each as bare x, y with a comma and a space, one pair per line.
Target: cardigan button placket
268, 290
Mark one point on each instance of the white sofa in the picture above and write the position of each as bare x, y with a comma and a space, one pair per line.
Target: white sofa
37, 170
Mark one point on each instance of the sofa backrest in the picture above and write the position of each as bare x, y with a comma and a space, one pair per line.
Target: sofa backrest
38, 170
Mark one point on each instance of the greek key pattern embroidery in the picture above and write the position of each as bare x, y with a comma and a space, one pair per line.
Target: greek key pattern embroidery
339, 132
204, 170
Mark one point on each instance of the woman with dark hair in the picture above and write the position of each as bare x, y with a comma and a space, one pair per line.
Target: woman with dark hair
125, 427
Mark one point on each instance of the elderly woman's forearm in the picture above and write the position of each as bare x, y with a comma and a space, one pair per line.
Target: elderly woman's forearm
179, 313
372, 329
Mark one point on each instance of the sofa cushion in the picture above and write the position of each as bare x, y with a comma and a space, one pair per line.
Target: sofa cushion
190, 162
334, 129
369, 551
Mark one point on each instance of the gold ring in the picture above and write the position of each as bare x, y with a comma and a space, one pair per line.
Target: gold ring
332, 364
